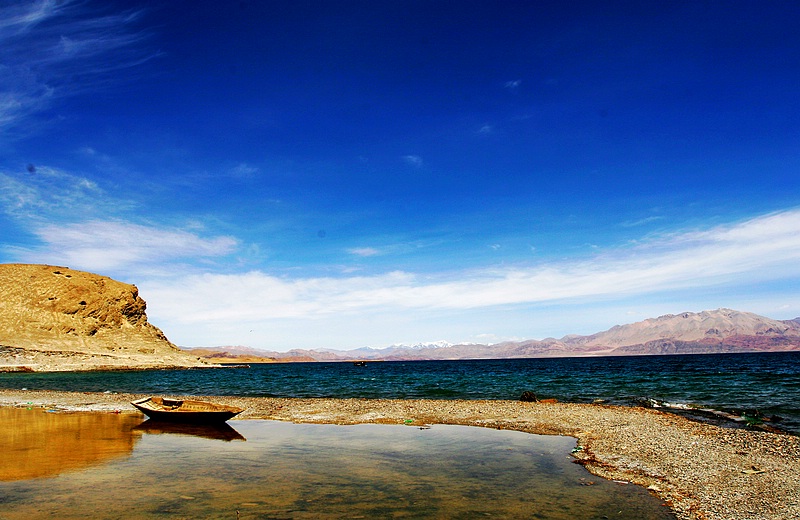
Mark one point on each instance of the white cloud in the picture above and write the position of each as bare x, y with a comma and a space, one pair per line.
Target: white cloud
52, 49
641, 222
764, 248
413, 160
104, 246
243, 170
79, 225
17, 19
46, 192
364, 251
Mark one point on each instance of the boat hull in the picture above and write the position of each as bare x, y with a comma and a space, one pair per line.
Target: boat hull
185, 411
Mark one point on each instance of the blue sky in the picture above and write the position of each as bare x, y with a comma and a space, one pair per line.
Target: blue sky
359, 173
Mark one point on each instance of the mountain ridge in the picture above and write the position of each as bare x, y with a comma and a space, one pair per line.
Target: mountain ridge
706, 332
56, 318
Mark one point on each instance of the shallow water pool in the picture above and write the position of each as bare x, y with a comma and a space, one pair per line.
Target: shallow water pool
93, 465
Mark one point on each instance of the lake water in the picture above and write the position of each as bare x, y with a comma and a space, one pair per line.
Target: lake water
767, 382
114, 466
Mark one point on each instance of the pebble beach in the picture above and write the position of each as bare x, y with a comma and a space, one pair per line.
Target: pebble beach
701, 471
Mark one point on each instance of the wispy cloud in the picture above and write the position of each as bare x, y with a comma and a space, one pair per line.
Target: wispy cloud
22, 17
413, 160
641, 222
113, 246
364, 251
46, 194
243, 171
40, 192
387, 248
54, 49
764, 248
79, 224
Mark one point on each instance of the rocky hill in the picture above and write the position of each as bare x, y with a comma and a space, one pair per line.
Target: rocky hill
56, 319
706, 332
689, 326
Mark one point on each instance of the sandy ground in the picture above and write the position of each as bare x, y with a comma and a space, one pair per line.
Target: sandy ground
702, 471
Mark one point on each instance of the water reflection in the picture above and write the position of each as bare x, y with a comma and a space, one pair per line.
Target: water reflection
221, 432
299, 471
36, 443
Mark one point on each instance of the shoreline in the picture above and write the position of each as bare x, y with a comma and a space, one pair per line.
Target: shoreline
700, 470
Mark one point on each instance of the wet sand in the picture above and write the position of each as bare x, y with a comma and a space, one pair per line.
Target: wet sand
702, 471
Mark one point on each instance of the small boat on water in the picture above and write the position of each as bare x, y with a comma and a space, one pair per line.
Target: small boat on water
186, 411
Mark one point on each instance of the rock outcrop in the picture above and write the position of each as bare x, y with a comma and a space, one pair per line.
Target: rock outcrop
57, 319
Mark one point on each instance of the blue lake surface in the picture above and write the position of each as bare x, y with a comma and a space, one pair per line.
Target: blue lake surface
765, 382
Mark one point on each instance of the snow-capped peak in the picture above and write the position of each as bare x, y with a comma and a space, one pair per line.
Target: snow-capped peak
420, 346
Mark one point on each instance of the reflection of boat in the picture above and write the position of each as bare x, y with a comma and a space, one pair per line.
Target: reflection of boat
185, 411
221, 431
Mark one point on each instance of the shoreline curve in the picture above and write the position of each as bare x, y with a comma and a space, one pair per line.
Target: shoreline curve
701, 471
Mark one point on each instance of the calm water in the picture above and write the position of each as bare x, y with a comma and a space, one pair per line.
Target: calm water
768, 382
110, 466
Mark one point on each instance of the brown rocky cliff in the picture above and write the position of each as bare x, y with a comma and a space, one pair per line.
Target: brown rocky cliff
56, 318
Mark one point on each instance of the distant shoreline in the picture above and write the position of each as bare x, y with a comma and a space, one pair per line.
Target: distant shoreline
16, 360
700, 470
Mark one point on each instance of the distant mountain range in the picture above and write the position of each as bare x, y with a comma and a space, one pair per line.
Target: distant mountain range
707, 332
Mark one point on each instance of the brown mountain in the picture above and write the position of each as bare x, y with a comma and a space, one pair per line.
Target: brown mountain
56, 318
707, 332
723, 330
689, 326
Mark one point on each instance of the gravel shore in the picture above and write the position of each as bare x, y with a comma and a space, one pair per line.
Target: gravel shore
701, 471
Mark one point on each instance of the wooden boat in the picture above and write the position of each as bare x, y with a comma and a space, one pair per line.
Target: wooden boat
187, 411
